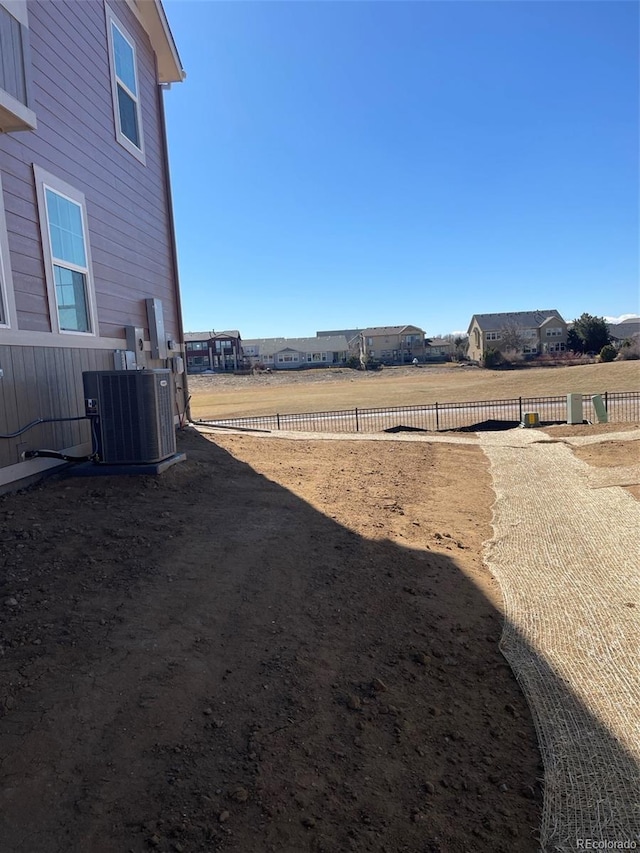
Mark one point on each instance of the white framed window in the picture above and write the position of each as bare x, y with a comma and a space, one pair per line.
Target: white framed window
125, 87
16, 100
67, 257
554, 332
493, 336
7, 303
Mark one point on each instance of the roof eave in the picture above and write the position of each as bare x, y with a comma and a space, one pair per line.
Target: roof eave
152, 16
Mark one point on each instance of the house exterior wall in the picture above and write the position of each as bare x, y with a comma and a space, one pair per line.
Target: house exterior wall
225, 353
550, 336
476, 342
392, 347
197, 356
288, 359
128, 219
292, 353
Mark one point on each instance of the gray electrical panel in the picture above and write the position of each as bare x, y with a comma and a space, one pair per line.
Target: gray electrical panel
156, 328
574, 409
135, 338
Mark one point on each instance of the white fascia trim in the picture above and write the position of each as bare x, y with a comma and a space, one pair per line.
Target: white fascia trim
152, 16
54, 183
14, 115
26, 338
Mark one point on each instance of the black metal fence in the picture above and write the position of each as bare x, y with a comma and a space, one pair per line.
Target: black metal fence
621, 407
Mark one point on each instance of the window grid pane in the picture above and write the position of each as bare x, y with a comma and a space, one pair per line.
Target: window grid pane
124, 60
71, 296
65, 229
128, 116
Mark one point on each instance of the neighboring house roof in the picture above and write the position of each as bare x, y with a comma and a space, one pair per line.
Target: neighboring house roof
526, 319
440, 342
230, 333
197, 336
270, 346
386, 331
626, 329
151, 15
348, 333
210, 335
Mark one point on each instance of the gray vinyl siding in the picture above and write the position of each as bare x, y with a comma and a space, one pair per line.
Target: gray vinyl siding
129, 228
44, 382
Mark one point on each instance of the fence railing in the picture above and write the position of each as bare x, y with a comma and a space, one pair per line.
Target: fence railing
621, 407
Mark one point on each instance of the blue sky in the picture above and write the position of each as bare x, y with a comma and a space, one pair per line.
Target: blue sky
346, 164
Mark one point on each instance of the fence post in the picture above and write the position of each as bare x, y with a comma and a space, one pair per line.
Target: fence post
606, 401
357, 423
437, 419
278, 420
520, 408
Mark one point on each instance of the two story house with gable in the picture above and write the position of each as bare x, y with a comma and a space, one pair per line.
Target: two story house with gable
87, 252
528, 332
388, 344
219, 351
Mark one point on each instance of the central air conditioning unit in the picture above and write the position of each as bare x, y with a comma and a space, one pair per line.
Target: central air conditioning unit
132, 414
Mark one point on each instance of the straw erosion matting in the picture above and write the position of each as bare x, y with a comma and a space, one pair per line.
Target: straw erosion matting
565, 551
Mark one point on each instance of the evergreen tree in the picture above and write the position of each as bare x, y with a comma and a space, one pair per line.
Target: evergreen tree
589, 334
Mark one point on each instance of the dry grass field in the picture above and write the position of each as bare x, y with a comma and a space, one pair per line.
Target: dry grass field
336, 389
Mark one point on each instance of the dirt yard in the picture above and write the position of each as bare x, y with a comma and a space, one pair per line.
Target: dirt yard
275, 646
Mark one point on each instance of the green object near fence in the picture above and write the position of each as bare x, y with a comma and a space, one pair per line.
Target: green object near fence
600, 409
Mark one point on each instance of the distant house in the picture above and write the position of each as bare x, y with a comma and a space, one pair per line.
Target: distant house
528, 332
440, 348
219, 351
389, 344
196, 347
292, 353
628, 330
88, 268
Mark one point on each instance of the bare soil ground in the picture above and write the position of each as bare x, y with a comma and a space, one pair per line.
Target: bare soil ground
275, 646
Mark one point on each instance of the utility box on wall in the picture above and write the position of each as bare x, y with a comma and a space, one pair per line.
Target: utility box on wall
157, 336
574, 409
132, 414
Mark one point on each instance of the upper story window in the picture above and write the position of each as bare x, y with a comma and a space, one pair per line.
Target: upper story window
63, 223
125, 87
493, 336
554, 332
16, 103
